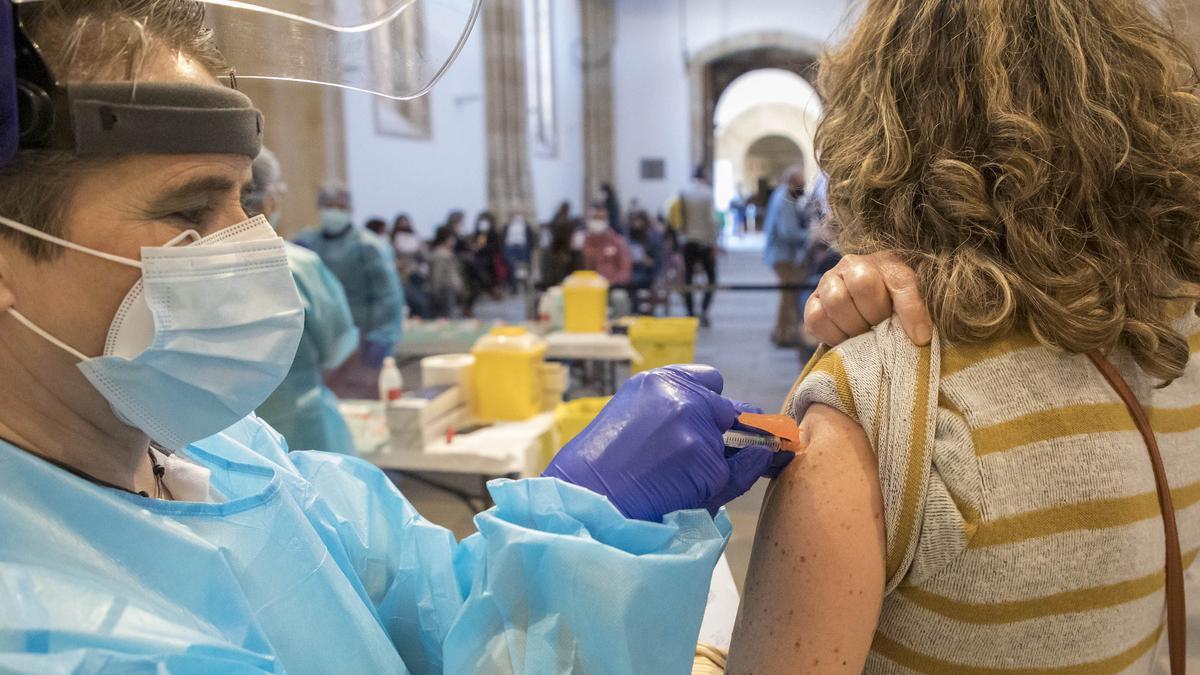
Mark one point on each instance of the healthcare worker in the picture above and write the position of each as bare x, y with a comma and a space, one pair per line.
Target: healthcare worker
303, 409
150, 523
365, 264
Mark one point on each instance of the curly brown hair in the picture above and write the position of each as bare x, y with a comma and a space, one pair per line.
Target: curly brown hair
1036, 161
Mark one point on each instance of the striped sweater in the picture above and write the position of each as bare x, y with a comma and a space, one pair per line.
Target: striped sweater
1023, 529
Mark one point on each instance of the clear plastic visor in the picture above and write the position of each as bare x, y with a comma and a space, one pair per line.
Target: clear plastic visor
397, 49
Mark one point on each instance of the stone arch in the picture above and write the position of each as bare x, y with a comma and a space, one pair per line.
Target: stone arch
712, 69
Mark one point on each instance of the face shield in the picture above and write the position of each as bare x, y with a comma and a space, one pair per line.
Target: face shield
397, 49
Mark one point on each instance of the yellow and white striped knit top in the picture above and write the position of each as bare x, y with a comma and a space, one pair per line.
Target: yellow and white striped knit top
1023, 529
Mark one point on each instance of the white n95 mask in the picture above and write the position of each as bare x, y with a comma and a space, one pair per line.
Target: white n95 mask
202, 339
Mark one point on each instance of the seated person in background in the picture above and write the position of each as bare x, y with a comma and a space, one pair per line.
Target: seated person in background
560, 258
378, 227
518, 240
490, 256
605, 250
645, 252
986, 503
446, 283
411, 265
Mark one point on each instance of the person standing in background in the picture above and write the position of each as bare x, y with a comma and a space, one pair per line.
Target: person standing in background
788, 225
757, 205
613, 205
693, 216
518, 248
822, 256
303, 409
737, 212
366, 266
605, 251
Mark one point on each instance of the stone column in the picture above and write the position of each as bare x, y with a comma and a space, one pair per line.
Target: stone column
510, 181
598, 19
305, 129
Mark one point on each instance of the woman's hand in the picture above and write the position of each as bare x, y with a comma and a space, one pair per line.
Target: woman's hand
863, 291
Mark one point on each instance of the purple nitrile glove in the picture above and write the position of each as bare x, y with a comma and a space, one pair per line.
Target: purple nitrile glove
658, 447
745, 465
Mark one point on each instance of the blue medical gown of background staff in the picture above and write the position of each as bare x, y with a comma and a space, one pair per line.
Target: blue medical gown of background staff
315, 563
303, 409
366, 266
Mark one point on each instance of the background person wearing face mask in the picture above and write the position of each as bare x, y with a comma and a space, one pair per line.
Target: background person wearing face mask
788, 225
518, 240
366, 267
490, 264
605, 251
412, 264
691, 214
303, 409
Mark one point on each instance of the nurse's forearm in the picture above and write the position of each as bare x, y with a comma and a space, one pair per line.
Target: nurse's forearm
561, 581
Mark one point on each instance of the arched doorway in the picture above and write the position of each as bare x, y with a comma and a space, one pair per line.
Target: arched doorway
767, 158
714, 69
761, 103
763, 123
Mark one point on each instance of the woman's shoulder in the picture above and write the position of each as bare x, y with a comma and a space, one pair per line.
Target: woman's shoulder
850, 376
891, 388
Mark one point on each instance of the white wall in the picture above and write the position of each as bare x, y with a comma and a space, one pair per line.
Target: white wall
424, 177
429, 177
561, 177
651, 73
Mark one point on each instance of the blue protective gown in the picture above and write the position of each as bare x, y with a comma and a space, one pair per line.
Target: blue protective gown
303, 409
366, 266
315, 563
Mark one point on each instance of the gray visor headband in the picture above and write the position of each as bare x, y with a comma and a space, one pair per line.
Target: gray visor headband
171, 118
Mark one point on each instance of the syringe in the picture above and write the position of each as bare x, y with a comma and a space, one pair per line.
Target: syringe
743, 439
777, 432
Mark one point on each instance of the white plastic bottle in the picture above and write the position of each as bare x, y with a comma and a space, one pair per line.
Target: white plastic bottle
391, 382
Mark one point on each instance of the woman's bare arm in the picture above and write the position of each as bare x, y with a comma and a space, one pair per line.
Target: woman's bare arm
816, 579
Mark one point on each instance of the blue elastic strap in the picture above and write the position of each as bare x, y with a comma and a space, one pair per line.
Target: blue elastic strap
10, 131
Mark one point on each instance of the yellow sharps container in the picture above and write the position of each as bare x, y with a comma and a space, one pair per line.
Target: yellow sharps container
585, 303
508, 375
663, 341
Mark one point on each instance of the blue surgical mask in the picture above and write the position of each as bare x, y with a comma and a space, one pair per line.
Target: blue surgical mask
334, 221
202, 339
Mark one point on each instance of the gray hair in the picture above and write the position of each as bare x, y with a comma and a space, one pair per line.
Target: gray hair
333, 196
267, 180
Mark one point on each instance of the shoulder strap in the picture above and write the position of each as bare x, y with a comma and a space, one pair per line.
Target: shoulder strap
1176, 599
